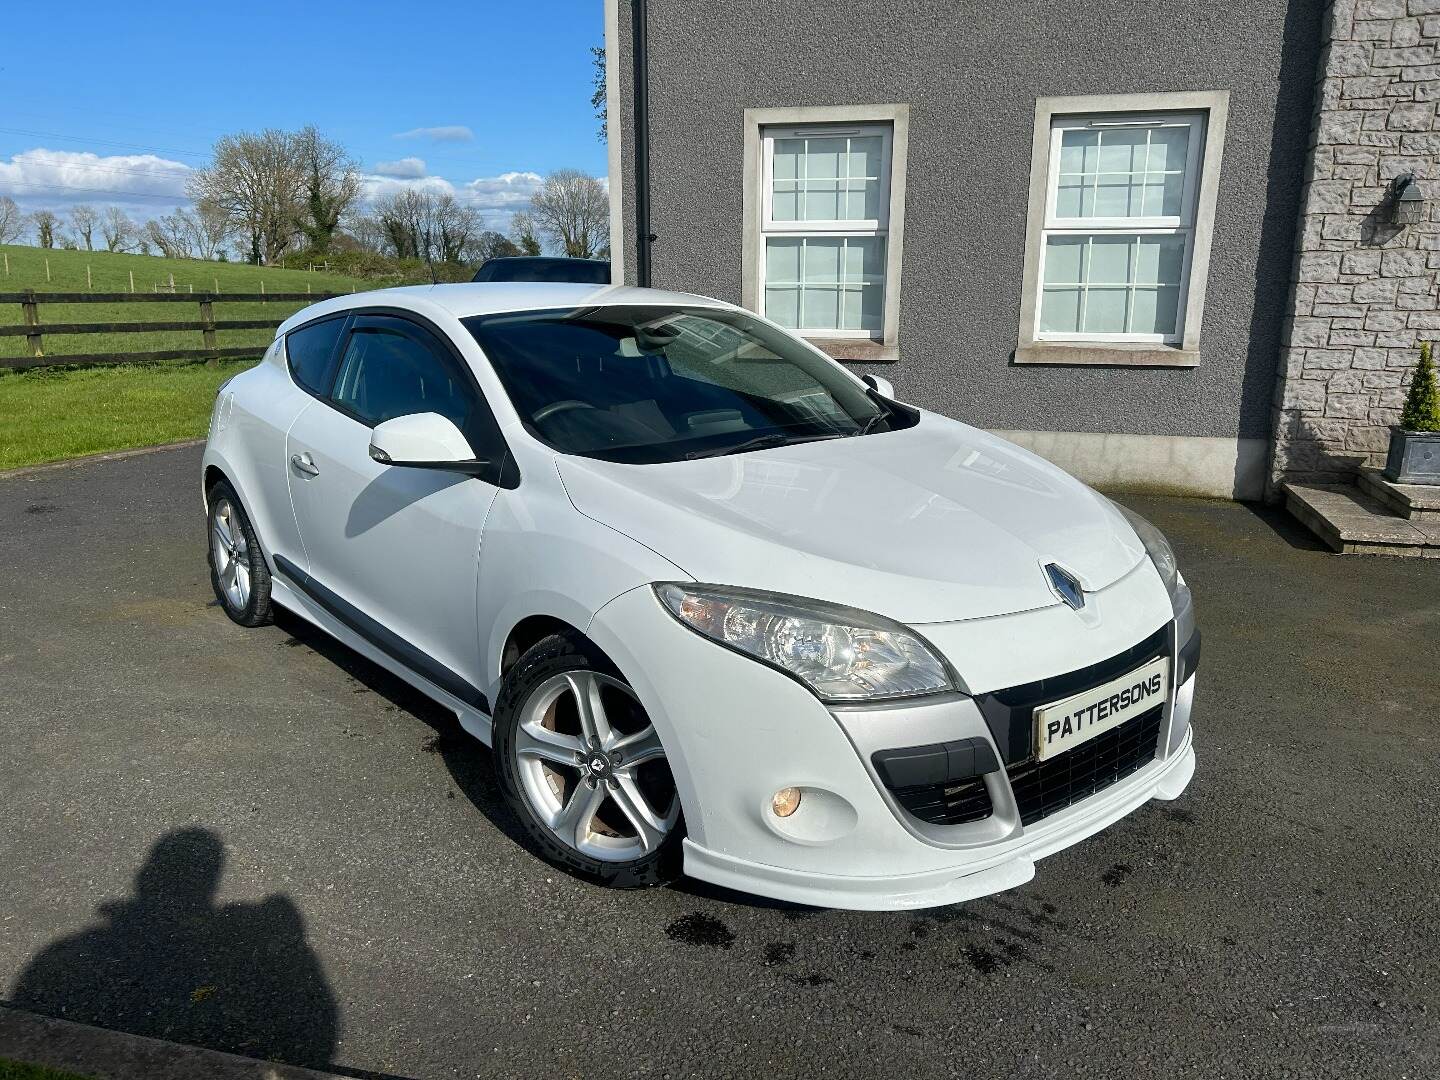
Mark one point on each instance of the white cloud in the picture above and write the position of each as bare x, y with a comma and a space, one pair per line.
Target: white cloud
496, 197
407, 168
444, 133
58, 178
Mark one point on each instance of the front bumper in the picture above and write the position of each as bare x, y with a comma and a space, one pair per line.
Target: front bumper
737, 731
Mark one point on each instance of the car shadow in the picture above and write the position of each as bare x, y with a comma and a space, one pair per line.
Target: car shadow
466, 758
169, 963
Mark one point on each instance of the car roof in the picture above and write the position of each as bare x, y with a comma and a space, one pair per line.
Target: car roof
543, 258
465, 299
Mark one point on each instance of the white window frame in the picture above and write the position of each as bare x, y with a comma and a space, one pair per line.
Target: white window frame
1205, 112
762, 126
1181, 225
863, 228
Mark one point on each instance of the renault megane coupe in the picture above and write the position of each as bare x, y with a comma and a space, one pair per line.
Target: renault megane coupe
719, 606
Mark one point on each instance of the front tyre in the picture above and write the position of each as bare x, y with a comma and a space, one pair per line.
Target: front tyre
583, 768
238, 573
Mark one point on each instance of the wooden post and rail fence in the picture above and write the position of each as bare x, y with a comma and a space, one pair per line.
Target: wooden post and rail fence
33, 330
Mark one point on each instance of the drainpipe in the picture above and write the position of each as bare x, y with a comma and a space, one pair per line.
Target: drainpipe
641, 49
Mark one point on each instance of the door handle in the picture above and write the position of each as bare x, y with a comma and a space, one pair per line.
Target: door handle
304, 463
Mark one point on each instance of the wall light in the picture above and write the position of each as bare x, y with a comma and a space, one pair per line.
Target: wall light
1408, 204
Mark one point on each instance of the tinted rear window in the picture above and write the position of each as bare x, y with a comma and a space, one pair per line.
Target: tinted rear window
311, 352
577, 271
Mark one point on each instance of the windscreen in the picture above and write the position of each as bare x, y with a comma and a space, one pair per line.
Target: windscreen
651, 384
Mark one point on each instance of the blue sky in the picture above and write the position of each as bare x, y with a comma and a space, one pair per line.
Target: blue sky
108, 104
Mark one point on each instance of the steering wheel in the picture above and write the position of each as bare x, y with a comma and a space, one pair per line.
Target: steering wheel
542, 414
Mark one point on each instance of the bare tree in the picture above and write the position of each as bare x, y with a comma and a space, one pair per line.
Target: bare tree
367, 231
172, 234
46, 225
211, 228
522, 231
331, 186
451, 227
401, 219
116, 229
258, 182
83, 220
12, 221
489, 245
573, 211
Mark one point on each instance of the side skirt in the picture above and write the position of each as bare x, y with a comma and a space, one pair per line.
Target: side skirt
383, 639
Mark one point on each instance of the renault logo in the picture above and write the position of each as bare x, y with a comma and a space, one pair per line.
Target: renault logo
1065, 586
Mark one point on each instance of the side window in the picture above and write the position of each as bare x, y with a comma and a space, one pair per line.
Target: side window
392, 368
311, 353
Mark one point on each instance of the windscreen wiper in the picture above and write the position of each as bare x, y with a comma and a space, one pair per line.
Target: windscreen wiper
760, 442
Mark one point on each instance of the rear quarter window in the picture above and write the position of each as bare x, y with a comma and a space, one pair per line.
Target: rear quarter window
310, 352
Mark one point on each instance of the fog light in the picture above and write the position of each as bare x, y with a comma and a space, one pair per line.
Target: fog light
785, 801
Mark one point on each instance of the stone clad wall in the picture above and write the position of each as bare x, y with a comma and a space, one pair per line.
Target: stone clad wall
1364, 291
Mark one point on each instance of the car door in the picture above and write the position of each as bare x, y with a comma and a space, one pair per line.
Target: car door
394, 551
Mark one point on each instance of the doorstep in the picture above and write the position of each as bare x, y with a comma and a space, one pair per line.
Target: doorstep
1414, 502
1352, 521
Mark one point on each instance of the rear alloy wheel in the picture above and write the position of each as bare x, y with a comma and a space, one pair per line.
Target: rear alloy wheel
585, 769
238, 573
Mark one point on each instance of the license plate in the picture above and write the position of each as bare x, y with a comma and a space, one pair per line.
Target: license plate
1064, 725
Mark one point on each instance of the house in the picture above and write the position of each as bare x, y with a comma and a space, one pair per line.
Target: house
1156, 243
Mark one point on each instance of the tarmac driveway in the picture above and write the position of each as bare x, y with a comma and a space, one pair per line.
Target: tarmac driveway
255, 840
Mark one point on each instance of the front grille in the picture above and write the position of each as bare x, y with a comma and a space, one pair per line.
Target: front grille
1043, 787
952, 803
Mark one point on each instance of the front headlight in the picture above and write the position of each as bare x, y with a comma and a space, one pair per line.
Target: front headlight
1158, 548
840, 653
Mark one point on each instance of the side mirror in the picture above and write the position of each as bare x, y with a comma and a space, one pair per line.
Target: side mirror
879, 385
423, 441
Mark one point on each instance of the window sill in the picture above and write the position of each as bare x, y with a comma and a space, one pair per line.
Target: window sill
1107, 354
856, 350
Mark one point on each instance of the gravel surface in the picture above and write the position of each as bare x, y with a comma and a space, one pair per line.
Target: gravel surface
257, 841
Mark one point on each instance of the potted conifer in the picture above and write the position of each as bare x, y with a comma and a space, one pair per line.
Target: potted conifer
1415, 444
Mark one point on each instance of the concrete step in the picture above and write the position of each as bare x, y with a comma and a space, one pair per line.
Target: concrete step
1352, 522
1414, 502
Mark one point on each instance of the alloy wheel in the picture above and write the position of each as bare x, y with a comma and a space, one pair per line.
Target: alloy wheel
232, 555
593, 768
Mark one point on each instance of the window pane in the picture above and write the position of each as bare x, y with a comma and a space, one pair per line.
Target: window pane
386, 374
1123, 150
1159, 260
872, 307
1155, 310
823, 157
1060, 310
310, 351
1077, 151
1065, 260
785, 202
820, 308
783, 305
782, 259
865, 153
1105, 311
1112, 197
1168, 147
822, 201
1071, 197
821, 261
787, 158
1109, 260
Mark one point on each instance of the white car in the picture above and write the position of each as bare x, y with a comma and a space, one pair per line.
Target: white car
716, 603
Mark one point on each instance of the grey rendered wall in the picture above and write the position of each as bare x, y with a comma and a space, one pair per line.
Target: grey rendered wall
971, 74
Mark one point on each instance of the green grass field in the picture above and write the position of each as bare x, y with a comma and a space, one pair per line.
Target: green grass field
111, 272
51, 415
48, 415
